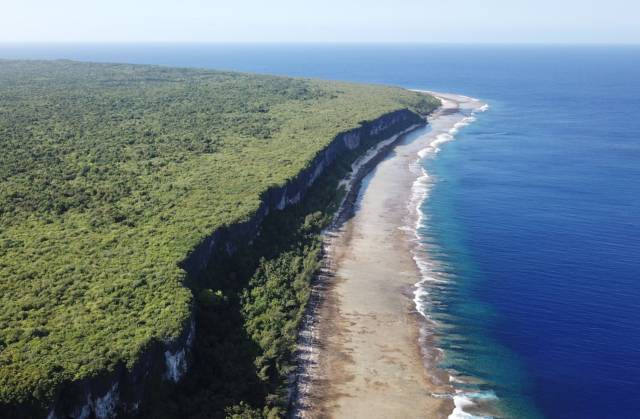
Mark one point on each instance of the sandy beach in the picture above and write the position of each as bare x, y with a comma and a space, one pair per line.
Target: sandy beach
363, 357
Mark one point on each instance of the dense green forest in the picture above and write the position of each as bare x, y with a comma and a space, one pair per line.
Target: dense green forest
249, 308
111, 174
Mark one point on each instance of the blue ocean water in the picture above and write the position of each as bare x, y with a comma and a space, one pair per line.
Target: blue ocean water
535, 212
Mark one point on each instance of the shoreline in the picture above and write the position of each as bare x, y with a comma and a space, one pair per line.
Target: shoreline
366, 349
306, 352
467, 404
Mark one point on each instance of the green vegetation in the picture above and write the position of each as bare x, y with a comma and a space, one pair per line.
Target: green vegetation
249, 309
111, 174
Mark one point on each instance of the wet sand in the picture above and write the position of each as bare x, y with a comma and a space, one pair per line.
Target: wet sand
365, 360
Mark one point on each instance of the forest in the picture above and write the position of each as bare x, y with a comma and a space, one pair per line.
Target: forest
111, 174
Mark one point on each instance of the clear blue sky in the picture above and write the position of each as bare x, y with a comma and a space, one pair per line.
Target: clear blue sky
468, 21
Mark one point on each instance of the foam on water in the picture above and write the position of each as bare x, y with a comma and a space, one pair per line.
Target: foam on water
466, 121
465, 400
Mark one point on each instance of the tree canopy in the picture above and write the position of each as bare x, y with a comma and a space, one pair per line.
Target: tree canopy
111, 174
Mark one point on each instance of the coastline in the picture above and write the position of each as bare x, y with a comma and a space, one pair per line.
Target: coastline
367, 349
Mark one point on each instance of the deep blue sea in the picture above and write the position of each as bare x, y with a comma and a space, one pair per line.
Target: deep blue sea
535, 211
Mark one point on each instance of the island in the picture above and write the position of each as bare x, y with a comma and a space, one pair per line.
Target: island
160, 229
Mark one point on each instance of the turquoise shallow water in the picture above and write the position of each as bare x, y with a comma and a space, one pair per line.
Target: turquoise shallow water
533, 216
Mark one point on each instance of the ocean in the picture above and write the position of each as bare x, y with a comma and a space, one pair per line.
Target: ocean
532, 215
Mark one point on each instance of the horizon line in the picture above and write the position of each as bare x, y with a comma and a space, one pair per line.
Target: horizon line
363, 43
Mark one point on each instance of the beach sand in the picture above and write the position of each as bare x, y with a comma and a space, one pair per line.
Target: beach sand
365, 360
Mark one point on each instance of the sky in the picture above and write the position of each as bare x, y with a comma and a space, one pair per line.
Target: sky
442, 21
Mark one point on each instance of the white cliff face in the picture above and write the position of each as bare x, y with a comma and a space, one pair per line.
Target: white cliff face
192, 333
102, 407
352, 140
316, 173
283, 201
176, 364
105, 407
381, 126
294, 199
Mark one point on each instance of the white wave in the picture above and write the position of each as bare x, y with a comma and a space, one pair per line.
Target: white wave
440, 139
466, 121
454, 379
424, 152
460, 402
445, 137
465, 400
